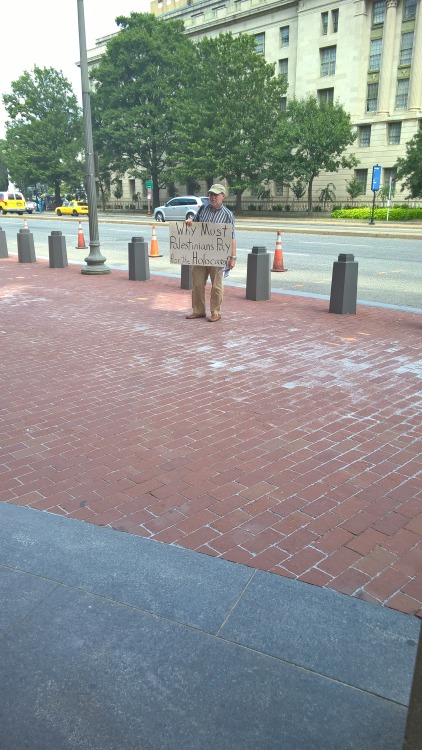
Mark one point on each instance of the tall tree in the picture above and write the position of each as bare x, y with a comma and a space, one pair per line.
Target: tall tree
409, 168
311, 137
3, 168
225, 124
44, 132
145, 70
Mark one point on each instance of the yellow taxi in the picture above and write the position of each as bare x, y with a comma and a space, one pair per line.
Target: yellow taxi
12, 203
73, 208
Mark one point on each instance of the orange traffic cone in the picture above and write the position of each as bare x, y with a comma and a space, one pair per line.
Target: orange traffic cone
278, 255
81, 239
154, 251
25, 223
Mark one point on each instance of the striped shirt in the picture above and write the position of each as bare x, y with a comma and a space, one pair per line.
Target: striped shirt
220, 215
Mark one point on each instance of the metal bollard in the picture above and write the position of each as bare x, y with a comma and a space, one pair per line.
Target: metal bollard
26, 248
57, 250
3, 244
344, 285
138, 259
258, 274
186, 277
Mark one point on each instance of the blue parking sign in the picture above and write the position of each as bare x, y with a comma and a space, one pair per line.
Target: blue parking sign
376, 177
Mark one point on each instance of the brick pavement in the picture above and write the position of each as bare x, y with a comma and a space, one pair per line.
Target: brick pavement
282, 437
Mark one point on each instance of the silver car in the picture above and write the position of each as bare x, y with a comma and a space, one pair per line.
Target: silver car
177, 209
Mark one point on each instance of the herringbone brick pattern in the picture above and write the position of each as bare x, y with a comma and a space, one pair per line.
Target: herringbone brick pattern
281, 437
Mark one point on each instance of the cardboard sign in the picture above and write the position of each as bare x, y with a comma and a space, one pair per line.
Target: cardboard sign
202, 244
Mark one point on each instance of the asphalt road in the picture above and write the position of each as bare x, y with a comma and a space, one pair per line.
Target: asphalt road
389, 257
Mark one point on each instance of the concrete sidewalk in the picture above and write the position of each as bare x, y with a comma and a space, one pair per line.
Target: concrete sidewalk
283, 439
112, 642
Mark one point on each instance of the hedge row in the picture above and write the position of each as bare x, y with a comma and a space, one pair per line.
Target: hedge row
395, 214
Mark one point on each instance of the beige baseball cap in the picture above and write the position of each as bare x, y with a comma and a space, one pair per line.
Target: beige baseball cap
217, 189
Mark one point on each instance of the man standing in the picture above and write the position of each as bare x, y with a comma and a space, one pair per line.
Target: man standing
218, 214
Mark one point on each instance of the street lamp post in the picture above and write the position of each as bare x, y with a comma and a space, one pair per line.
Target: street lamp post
95, 260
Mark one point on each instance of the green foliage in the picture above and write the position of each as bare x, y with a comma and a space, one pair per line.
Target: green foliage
3, 168
118, 192
146, 71
409, 168
311, 137
44, 132
298, 189
395, 214
327, 195
227, 120
354, 188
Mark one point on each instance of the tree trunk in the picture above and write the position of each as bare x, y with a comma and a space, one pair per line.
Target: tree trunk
155, 190
57, 193
310, 195
238, 202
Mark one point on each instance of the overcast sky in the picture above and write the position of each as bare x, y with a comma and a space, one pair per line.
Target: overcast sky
46, 34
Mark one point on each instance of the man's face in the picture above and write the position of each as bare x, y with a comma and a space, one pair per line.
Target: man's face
216, 200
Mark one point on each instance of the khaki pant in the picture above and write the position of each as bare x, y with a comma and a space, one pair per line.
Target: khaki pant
199, 279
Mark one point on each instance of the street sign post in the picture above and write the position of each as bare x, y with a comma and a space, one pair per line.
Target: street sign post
149, 186
391, 190
375, 185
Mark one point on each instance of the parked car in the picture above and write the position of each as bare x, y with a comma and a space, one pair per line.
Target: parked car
31, 206
178, 209
12, 203
73, 208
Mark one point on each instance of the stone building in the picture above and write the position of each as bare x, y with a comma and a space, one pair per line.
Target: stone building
365, 54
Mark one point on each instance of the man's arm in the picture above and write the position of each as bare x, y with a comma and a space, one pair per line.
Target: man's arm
232, 259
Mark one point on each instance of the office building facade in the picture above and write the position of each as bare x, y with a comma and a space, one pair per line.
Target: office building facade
365, 54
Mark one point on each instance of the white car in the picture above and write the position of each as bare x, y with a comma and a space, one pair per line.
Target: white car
178, 209
31, 206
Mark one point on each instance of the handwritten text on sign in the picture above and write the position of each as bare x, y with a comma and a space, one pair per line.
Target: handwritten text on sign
202, 244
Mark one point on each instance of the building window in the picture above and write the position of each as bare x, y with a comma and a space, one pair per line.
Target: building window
378, 12
406, 48
402, 93
325, 95
375, 54
279, 187
283, 103
283, 67
324, 23
361, 175
328, 61
260, 43
334, 20
372, 97
394, 133
285, 36
365, 135
409, 9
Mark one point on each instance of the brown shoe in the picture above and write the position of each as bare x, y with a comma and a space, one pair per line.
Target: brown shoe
192, 316
214, 317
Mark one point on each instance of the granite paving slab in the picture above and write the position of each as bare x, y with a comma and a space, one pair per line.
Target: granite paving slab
166, 580
356, 642
86, 673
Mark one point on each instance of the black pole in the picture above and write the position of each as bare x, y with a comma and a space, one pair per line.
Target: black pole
373, 209
95, 261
